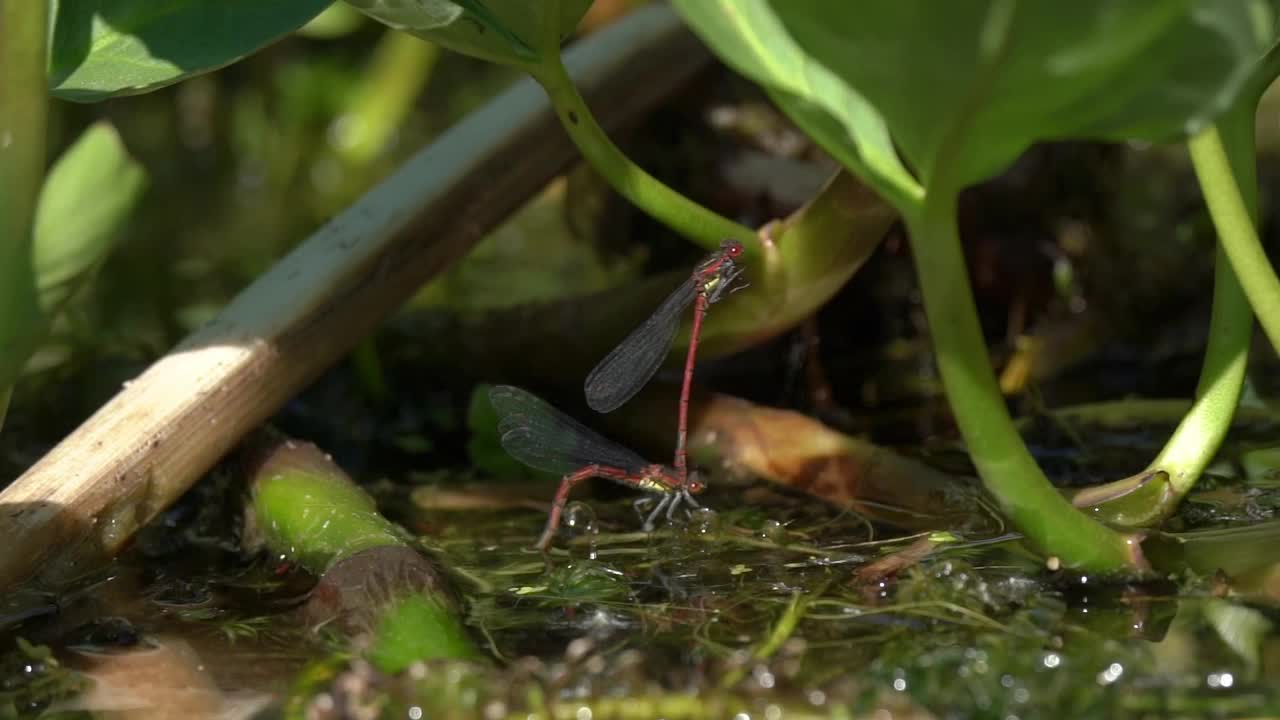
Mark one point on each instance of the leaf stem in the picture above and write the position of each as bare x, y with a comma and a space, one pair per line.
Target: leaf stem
1003, 461
1239, 239
1201, 431
643, 190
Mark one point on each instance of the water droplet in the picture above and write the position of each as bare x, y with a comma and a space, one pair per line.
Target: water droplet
1220, 680
704, 521
578, 649
580, 521
579, 518
1111, 674
773, 531
764, 677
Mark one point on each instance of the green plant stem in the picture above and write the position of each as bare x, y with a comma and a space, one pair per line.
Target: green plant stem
415, 628
1236, 233
643, 190
1201, 431
839, 228
23, 115
6, 394
1003, 461
781, 632
23, 112
309, 510
399, 68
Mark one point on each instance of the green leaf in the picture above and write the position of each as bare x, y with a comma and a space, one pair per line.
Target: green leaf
965, 87
87, 197
1241, 628
105, 48
338, 20
750, 38
510, 32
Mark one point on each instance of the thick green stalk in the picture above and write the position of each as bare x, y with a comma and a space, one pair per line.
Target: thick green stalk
1202, 430
1003, 461
416, 628
23, 112
306, 508
1231, 218
643, 190
839, 228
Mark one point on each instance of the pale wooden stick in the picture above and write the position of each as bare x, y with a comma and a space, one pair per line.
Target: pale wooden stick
146, 446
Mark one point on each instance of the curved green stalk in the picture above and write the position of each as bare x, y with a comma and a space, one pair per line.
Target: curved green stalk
1003, 461
1236, 233
23, 109
643, 190
845, 220
1202, 430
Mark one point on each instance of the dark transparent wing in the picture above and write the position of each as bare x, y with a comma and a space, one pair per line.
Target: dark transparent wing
542, 437
631, 364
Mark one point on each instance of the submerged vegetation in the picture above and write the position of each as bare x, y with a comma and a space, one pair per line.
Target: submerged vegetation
1009, 443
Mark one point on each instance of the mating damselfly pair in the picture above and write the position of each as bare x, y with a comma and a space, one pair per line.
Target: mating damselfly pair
542, 437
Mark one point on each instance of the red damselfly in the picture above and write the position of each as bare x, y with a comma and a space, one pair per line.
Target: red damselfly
542, 437
634, 361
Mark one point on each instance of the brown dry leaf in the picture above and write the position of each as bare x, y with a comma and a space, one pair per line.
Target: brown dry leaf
164, 678
797, 451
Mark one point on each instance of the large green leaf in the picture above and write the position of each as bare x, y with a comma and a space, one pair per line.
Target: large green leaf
511, 32
966, 86
750, 38
87, 197
105, 48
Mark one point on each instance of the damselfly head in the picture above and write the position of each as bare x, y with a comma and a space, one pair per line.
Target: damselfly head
731, 248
